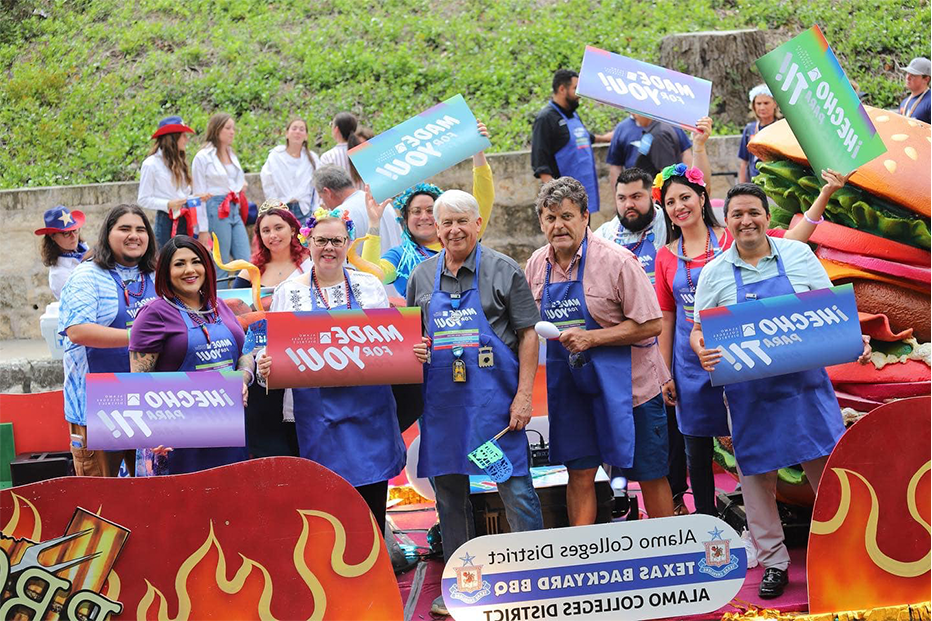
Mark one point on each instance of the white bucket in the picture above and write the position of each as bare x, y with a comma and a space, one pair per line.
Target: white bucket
48, 325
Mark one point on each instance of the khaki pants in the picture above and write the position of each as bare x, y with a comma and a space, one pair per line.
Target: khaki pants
88, 463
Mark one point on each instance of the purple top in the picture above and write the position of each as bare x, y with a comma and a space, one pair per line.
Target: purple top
160, 329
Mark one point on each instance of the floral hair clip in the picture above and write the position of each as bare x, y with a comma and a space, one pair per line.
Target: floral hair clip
304, 235
692, 175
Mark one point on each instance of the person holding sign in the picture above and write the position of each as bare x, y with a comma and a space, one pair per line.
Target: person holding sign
352, 430
560, 143
764, 107
603, 388
338, 192
696, 238
98, 305
419, 239
479, 315
188, 329
288, 172
917, 103
780, 421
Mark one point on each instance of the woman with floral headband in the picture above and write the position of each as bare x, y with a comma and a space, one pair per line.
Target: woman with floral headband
352, 430
419, 232
696, 237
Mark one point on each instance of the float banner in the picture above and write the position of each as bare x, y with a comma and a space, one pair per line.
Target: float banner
344, 348
642, 569
199, 409
643, 88
783, 334
820, 105
419, 148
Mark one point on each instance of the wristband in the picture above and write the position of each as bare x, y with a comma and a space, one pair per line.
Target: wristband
252, 376
127, 333
811, 221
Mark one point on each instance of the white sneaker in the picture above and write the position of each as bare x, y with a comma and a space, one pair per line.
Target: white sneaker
439, 608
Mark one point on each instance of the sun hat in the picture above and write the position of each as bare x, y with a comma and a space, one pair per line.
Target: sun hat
60, 220
171, 125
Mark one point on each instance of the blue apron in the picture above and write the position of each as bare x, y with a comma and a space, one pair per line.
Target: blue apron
590, 408
575, 158
785, 420
643, 249
116, 359
459, 416
351, 430
217, 354
700, 408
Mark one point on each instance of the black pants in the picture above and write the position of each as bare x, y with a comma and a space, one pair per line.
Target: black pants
676, 460
376, 496
701, 477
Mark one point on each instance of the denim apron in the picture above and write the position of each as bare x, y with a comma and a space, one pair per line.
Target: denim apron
351, 430
785, 420
459, 416
590, 407
575, 158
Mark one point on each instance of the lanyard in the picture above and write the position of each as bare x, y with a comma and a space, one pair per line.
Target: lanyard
915, 105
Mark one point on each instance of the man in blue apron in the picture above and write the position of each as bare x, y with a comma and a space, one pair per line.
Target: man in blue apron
98, 305
603, 391
560, 143
778, 421
480, 315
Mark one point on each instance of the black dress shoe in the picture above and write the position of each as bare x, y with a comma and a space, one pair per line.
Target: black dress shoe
773, 583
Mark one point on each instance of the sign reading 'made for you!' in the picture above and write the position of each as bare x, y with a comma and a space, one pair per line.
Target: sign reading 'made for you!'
644, 569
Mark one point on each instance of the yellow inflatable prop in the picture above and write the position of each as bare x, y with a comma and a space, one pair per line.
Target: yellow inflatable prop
255, 277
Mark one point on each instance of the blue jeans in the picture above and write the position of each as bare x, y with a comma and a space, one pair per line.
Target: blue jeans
163, 228
522, 507
230, 231
701, 478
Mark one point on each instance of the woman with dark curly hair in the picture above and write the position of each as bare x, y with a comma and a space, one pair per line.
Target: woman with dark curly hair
62, 247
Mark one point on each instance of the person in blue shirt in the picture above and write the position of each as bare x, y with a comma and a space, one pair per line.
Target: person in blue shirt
916, 105
623, 150
764, 107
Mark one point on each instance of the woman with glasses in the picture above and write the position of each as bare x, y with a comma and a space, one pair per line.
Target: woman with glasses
352, 430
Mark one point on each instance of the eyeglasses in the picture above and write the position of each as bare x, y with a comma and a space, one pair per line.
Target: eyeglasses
321, 242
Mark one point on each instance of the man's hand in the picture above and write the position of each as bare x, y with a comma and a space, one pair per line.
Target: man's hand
834, 181
708, 358
669, 392
865, 356
264, 365
520, 411
577, 340
421, 349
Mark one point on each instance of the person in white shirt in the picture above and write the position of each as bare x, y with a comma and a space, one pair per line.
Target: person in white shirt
165, 185
217, 172
336, 189
343, 129
62, 247
288, 172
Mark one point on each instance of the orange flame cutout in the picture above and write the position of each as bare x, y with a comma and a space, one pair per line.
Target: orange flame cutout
229, 587
890, 565
14, 529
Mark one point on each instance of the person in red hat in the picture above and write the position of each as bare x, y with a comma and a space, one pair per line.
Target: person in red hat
165, 185
62, 246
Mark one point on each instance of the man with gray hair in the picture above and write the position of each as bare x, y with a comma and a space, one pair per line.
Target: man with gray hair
479, 316
336, 190
603, 389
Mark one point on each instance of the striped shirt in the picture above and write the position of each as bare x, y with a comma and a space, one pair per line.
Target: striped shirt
337, 156
89, 296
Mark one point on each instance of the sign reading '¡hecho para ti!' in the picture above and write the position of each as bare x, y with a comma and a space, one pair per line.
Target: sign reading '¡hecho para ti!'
644, 569
344, 347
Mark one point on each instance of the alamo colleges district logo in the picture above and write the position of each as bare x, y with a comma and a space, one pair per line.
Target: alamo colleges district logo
469, 587
717, 555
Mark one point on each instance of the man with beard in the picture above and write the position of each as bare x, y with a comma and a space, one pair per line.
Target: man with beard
561, 146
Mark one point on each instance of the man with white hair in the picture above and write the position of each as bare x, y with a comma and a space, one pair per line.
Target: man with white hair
479, 314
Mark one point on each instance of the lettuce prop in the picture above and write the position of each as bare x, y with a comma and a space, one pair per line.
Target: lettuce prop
794, 188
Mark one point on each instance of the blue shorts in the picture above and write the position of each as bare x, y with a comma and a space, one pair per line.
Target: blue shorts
583, 463
651, 445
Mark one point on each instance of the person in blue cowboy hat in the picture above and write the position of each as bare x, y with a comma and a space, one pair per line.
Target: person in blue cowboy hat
62, 246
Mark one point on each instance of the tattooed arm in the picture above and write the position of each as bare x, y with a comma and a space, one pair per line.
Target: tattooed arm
140, 362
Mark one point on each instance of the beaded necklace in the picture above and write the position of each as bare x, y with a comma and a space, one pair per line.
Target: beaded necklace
705, 259
127, 291
198, 317
320, 293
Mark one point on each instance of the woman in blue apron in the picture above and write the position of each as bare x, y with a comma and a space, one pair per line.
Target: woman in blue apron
188, 329
352, 430
575, 158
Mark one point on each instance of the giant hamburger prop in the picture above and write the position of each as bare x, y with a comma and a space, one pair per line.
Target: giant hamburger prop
876, 236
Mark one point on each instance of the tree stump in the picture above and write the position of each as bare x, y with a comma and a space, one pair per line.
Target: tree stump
726, 59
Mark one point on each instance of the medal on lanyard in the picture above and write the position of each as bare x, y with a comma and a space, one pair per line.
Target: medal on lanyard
459, 366
486, 359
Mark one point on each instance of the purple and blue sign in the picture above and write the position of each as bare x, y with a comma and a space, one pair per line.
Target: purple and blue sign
182, 410
643, 88
419, 148
783, 334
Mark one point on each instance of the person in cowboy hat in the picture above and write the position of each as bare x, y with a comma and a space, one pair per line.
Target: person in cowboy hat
62, 246
165, 185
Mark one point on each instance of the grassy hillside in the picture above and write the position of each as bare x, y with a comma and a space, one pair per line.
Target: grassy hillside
85, 81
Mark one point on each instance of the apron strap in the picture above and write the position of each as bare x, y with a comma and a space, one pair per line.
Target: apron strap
781, 271
579, 272
440, 264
